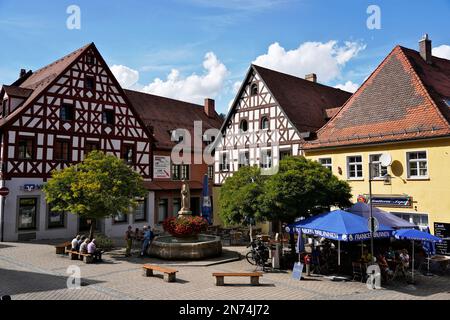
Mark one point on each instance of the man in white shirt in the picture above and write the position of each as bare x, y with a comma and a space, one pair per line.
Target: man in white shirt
75, 240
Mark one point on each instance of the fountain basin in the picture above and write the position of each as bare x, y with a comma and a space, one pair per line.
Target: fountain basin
200, 247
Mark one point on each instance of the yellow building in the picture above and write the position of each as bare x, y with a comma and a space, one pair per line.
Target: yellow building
402, 109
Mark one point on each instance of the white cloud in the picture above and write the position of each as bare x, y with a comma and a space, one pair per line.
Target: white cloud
194, 88
324, 59
348, 86
236, 86
442, 52
127, 77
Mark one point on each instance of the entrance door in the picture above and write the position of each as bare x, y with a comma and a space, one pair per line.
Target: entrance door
84, 224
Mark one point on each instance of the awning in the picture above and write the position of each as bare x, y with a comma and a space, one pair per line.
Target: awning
383, 217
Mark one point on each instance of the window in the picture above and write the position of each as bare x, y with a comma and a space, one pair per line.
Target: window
27, 213
354, 167
244, 159
377, 170
176, 207
5, 108
210, 172
180, 171
420, 220
140, 212
26, 148
90, 60
61, 150
184, 172
284, 154
266, 159
254, 89
243, 126
128, 153
108, 117
55, 219
67, 112
225, 162
265, 123
162, 210
91, 146
326, 162
417, 164
89, 83
121, 218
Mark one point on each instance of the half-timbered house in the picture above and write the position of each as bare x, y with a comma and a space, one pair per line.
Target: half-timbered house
52, 118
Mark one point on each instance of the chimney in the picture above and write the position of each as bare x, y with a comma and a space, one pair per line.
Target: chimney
210, 108
425, 49
23, 72
311, 77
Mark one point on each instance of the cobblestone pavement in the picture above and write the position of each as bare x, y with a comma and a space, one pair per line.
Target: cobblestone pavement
33, 271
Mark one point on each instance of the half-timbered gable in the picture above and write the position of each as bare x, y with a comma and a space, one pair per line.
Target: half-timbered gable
73, 106
270, 117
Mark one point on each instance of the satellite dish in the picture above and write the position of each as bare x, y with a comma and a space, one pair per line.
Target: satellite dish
385, 159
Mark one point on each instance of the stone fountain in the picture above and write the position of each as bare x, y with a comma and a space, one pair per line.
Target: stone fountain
196, 247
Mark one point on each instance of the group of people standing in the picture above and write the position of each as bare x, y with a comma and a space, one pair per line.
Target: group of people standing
85, 245
145, 237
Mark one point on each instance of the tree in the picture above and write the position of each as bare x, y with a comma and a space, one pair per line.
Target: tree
101, 186
239, 196
300, 188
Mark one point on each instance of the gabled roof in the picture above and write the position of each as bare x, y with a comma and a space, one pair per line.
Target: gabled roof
304, 102
41, 79
403, 99
18, 92
165, 115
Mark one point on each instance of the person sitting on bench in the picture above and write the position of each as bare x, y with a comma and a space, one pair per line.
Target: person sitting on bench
75, 244
92, 249
84, 246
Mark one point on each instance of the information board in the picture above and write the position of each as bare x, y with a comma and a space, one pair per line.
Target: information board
297, 271
442, 230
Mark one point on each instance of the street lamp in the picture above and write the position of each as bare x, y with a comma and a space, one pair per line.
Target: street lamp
385, 160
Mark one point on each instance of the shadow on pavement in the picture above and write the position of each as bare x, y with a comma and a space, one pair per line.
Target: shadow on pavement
15, 282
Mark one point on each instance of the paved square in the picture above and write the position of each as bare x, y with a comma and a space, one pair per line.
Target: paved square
34, 271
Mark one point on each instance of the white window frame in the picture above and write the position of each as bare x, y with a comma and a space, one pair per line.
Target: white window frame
329, 166
380, 167
408, 166
243, 152
264, 153
222, 163
355, 163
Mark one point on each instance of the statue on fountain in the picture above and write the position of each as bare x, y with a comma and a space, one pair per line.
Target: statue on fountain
185, 200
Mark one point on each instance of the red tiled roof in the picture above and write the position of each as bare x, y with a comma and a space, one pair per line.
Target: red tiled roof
305, 102
403, 99
41, 79
171, 185
165, 115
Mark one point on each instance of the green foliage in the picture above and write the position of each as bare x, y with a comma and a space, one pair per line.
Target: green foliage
239, 196
302, 187
103, 242
100, 186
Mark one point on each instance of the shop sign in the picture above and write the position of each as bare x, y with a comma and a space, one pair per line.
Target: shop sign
161, 167
392, 201
31, 187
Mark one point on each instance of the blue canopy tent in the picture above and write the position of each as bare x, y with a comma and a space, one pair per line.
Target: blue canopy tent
340, 225
415, 235
383, 217
206, 200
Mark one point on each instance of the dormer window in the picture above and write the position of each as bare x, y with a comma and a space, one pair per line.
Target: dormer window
254, 89
67, 112
243, 126
89, 83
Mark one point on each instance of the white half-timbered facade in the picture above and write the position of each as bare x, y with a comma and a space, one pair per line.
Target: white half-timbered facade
270, 118
51, 119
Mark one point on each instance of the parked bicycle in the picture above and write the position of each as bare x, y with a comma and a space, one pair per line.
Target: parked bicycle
258, 255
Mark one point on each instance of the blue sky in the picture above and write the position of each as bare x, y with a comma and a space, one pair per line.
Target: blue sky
189, 49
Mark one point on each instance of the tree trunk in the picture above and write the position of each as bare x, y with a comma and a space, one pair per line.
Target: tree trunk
92, 230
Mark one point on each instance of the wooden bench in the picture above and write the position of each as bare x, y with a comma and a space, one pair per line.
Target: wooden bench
169, 274
61, 248
73, 255
254, 277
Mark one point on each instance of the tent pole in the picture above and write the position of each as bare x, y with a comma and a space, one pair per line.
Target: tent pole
339, 253
412, 266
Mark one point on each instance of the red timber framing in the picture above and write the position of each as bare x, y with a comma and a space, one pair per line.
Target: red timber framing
39, 119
